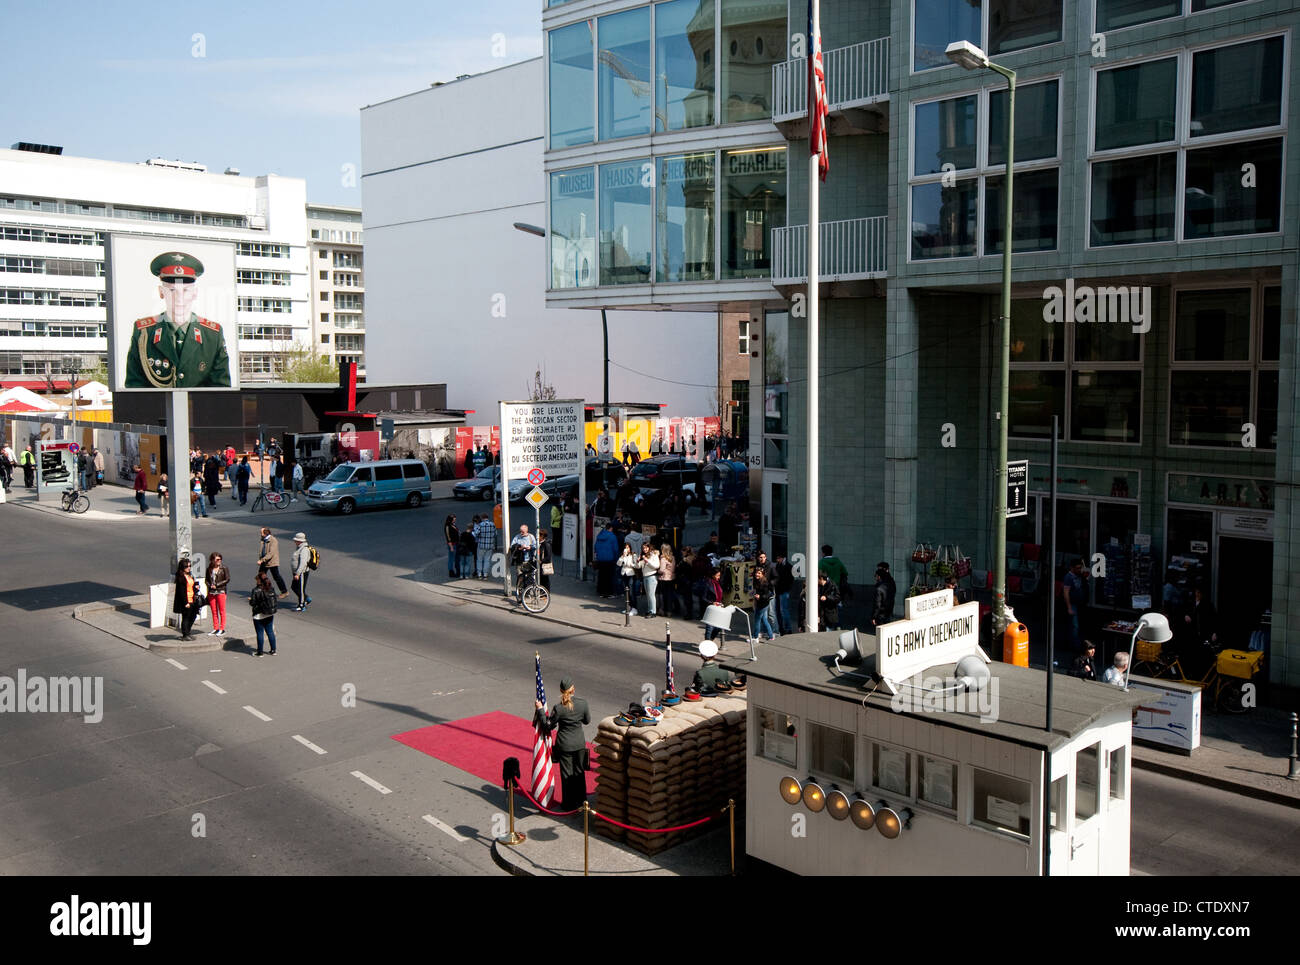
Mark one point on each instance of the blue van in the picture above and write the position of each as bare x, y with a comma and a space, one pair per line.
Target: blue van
363, 484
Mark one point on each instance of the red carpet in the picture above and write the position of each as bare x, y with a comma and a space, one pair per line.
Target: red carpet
480, 744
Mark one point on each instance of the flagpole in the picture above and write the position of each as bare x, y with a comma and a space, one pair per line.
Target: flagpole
814, 264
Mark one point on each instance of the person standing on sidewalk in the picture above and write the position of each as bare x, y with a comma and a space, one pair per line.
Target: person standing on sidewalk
6, 467
141, 487
28, 462
650, 578
242, 477
211, 479
451, 534
605, 549
186, 601
268, 560
485, 544
545, 561
263, 602
762, 601
164, 494
218, 581
196, 496
97, 460
299, 480
467, 552
782, 587
665, 585
301, 569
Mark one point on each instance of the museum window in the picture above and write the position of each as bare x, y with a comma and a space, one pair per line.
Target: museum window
1087, 775
1150, 147
777, 737
626, 222
684, 191
573, 228
1001, 803
997, 26
684, 64
936, 782
1087, 373
1118, 14
571, 68
623, 80
753, 203
959, 156
1223, 366
830, 753
891, 769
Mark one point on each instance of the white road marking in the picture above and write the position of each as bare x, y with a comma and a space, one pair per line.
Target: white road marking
210, 684
308, 744
372, 782
177, 664
256, 713
447, 829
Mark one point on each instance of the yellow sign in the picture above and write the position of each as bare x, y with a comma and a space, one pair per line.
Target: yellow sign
536, 497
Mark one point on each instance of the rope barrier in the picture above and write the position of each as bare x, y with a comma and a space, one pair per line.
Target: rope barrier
627, 827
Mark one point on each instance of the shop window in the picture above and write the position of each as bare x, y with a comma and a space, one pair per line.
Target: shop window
1106, 406
1033, 338
1086, 774
684, 205
1108, 343
777, 737
573, 227
624, 76
683, 65
1001, 803
753, 203
1035, 396
571, 66
1115, 762
830, 752
892, 769
937, 780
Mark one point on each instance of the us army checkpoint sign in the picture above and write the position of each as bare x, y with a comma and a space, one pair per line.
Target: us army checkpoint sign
907, 647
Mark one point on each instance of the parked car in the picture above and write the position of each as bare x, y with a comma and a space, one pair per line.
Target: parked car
351, 485
480, 486
666, 472
519, 488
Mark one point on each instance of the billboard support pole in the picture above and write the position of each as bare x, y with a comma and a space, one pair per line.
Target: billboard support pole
178, 469
505, 497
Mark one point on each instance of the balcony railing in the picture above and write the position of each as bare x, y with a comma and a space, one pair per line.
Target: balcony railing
855, 76
849, 250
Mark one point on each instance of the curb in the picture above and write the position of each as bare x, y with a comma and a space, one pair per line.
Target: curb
499, 859
179, 646
1246, 790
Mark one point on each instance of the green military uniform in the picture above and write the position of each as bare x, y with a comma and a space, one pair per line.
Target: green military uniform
162, 355
710, 675
570, 750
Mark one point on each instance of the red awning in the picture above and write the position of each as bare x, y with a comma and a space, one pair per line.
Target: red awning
37, 385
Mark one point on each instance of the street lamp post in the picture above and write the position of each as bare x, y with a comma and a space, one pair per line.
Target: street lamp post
967, 55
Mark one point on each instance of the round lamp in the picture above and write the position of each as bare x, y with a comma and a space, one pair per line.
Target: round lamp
837, 804
814, 798
791, 792
863, 814
891, 823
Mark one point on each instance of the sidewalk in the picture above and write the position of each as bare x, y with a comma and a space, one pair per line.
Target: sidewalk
109, 502
1244, 753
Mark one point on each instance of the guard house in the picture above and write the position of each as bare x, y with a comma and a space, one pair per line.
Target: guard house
939, 765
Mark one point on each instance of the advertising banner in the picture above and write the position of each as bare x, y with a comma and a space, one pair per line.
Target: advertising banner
171, 314
58, 466
1172, 716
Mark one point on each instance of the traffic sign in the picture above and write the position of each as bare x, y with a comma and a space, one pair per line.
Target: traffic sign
536, 477
536, 497
1018, 488
74, 448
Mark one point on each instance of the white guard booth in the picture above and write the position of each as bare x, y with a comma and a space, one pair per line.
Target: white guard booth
940, 758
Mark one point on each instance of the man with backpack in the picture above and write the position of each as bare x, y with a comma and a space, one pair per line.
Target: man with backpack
305, 559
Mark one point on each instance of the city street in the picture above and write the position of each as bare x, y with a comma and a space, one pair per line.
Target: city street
220, 763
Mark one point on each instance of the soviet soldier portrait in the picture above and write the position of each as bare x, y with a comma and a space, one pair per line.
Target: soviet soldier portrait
176, 349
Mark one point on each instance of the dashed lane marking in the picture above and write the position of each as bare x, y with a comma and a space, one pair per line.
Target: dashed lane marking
372, 782
177, 664
308, 744
256, 713
211, 686
445, 828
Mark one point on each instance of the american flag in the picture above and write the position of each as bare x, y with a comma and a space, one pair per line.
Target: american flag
543, 741
817, 103
669, 670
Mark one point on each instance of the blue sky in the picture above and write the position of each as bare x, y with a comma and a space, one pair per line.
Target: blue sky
277, 88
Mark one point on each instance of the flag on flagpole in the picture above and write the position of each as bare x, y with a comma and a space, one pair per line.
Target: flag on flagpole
818, 108
543, 741
671, 678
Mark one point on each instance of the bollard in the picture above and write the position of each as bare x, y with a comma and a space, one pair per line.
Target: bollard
1294, 773
627, 606
514, 837
586, 837
731, 817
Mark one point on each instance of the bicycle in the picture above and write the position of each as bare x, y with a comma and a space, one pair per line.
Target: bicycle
75, 501
268, 498
528, 591
1225, 693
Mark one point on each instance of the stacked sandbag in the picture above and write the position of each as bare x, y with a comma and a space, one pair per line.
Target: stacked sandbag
676, 772
611, 777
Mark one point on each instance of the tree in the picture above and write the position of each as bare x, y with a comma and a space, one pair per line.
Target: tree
95, 373
540, 390
304, 365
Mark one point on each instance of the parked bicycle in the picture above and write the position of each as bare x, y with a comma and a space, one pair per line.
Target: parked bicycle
1223, 690
528, 591
75, 501
267, 498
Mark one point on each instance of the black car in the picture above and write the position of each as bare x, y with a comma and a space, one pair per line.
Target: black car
481, 486
665, 472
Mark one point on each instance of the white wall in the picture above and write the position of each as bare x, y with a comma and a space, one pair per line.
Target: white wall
442, 254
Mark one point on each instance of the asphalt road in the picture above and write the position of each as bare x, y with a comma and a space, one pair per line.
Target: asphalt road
184, 776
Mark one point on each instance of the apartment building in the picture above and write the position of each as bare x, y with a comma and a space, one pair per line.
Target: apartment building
56, 212
1152, 185
336, 270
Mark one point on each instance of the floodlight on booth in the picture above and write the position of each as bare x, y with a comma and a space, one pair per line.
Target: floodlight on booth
814, 798
1151, 628
837, 804
862, 813
791, 790
891, 822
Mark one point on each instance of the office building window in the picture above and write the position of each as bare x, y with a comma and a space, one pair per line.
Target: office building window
324, 276
573, 228
948, 166
324, 318
683, 64
1117, 14
626, 222
1011, 25
1218, 204
1136, 104
624, 79
1133, 200
325, 339
744, 337
1237, 88
685, 219
937, 23
1224, 370
1018, 24
753, 203
753, 40
572, 90
830, 752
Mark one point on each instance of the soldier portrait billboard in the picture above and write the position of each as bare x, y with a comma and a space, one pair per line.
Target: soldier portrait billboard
171, 309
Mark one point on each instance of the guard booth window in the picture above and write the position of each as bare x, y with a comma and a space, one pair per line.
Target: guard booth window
1086, 772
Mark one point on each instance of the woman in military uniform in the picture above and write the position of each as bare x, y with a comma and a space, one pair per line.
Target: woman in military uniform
570, 751
176, 349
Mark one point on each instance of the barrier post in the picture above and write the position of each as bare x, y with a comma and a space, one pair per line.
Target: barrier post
514, 837
1293, 773
586, 837
627, 606
731, 817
